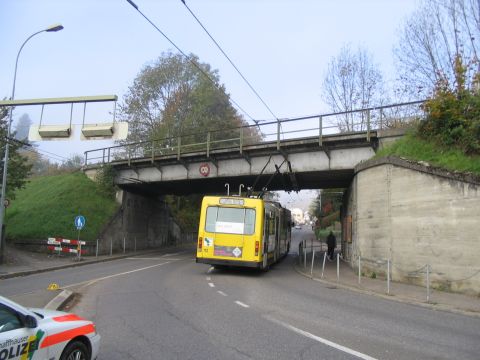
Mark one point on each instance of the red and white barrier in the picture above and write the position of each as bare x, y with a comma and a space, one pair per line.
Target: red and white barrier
55, 244
64, 249
59, 241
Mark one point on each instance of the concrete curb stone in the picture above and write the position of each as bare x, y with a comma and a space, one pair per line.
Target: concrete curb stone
60, 300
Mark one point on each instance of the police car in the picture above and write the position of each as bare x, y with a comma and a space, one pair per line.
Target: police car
39, 334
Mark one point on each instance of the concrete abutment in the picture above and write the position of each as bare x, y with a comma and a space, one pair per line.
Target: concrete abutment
142, 222
415, 215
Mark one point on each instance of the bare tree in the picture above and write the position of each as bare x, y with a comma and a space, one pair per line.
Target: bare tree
352, 82
433, 37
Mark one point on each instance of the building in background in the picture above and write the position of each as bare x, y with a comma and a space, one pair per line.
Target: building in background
297, 216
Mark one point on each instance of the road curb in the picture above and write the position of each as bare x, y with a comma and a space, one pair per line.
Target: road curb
60, 300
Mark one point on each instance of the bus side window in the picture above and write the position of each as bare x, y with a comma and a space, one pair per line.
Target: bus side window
271, 226
249, 222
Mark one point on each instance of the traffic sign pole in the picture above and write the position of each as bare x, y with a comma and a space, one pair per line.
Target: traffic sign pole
79, 224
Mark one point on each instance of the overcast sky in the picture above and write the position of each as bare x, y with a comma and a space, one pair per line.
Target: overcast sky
281, 46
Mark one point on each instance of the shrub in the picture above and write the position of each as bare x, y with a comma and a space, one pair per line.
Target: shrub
453, 113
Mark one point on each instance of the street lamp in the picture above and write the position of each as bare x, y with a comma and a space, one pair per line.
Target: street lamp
52, 28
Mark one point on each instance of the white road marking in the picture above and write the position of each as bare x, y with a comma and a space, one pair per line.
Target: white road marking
212, 285
242, 304
210, 270
321, 340
90, 282
221, 293
209, 278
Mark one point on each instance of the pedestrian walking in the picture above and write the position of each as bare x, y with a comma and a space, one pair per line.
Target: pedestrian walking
331, 244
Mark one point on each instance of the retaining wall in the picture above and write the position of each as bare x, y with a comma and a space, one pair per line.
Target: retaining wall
141, 223
416, 215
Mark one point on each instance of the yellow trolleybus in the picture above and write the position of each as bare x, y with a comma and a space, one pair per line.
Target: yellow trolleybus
241, 231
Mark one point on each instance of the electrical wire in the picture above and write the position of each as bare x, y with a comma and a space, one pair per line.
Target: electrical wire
231, 62
24, 144
188, 58
47, 154
53, 154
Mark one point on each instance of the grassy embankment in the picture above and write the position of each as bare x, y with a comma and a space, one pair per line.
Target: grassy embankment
413, 148
48, 205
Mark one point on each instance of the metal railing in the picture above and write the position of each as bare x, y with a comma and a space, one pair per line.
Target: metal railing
362, 121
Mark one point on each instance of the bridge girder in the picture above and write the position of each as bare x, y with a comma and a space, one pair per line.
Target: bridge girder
306, 166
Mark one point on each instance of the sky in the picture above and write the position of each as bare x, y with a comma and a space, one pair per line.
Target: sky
282, 47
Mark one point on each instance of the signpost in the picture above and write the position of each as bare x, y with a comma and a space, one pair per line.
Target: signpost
79, 224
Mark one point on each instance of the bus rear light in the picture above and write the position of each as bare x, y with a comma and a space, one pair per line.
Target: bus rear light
257, 246
200, 242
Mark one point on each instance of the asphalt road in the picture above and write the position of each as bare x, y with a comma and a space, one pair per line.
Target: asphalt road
168, 307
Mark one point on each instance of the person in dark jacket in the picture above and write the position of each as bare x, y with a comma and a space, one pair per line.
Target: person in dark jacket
331, 244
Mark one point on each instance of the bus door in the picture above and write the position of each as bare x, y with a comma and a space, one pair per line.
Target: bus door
266, 233
280, 227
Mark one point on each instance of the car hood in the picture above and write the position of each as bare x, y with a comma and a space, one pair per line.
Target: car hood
47, 314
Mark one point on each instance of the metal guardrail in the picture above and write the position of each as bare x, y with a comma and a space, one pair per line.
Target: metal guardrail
347, 122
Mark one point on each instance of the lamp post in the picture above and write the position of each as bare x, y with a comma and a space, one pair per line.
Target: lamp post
52, 28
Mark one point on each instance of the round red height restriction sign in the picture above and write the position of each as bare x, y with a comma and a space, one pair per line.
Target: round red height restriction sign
204, 170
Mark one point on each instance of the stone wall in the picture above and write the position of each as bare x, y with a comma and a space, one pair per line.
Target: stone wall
416, 215
141, 223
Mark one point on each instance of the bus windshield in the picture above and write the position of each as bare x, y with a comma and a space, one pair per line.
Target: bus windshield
226, 220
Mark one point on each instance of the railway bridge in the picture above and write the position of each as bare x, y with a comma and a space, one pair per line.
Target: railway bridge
290, 155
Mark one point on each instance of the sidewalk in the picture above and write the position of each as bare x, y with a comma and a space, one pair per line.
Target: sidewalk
22, 263
348, 278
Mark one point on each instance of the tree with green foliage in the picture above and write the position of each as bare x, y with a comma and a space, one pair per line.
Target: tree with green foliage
171, 97
453, 112
18, 167
326, 206
105, 180
73, 163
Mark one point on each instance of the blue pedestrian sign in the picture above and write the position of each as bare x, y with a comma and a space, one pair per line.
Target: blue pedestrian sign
79, 222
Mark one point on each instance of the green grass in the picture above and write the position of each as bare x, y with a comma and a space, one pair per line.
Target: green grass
414, 148
48, 205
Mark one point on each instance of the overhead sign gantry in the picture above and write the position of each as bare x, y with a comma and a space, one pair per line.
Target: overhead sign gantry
89, 131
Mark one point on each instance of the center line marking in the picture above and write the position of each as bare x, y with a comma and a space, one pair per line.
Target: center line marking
242, 304
209, 278
221, 293
321, 340
212, 285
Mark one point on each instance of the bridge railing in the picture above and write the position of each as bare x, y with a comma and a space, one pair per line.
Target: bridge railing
362, 121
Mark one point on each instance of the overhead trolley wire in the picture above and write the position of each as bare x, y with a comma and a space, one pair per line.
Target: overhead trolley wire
231, 62
187, 57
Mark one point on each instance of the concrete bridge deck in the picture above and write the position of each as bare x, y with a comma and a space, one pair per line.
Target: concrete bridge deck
292, 164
